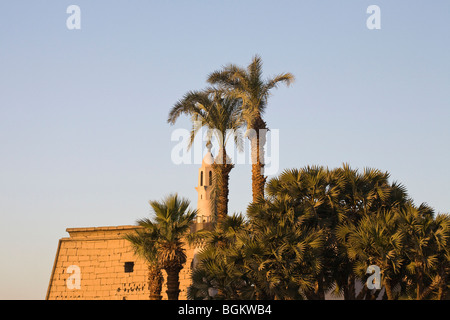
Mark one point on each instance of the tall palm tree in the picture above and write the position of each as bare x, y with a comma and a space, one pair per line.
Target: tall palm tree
248, 84
144, 243
220, 114
171, 223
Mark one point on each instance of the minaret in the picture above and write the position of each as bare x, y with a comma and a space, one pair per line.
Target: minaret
204, 187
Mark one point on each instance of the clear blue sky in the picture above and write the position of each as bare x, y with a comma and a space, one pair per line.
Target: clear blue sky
83, 135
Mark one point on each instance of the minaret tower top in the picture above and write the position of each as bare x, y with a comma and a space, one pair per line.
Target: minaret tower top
205, 179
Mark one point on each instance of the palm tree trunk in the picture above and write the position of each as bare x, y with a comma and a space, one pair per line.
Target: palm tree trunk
362, 294
442, 291
155, 281
223, 170
173, 284
419, 286
349, 288
319, 290
258, 140
258, 181
387, 286
222, 206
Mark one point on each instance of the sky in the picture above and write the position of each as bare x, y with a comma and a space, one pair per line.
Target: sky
84, 138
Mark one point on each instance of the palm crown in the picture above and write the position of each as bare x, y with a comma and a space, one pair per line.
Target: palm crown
221, 115
160, 239
248, 85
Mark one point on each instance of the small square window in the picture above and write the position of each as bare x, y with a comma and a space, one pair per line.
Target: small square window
129, 266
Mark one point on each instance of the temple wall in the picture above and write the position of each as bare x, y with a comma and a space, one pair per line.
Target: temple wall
100, 255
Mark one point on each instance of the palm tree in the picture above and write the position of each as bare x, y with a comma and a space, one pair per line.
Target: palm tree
284, 257
144, 243
220, 273
359, 194
220, 114
335, 201
172, 222
377, 240
308, 194
426, 247
248, 85
442, 271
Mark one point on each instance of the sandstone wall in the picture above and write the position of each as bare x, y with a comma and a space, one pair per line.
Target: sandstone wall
100, 253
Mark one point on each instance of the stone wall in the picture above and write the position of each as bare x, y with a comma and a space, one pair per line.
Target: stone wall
100, 255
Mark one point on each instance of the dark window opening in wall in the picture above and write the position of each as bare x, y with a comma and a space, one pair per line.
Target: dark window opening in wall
210, 178
201, 178
129, 266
